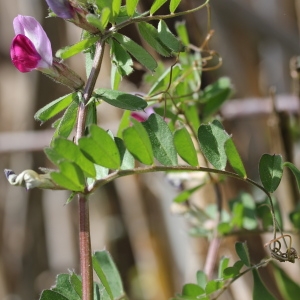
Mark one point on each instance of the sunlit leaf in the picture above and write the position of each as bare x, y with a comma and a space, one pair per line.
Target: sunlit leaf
69, 51
181, 30
234, 158
161, 140
101, 22
100, 148
77, 284
120, 99
124, 123
121, 58
259, 290
156, 5
173, 5
69, 176
53, 108
270, 171
212, 138
67, 122
71, 152
213, 286
127, 160
223, 264
192, 290
138, 143
52, 295
151, 36
131, 6
139, 53
185, 147
65, 288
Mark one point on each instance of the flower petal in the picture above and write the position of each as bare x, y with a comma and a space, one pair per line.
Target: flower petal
61, 8
23, 54
33, 30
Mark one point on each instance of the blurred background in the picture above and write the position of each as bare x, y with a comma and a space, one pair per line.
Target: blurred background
133, 217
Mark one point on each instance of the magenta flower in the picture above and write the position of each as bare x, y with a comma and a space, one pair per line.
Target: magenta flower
142, 116
31, 48
61, 8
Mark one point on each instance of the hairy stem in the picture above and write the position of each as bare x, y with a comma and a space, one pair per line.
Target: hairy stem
85, 249
84, 220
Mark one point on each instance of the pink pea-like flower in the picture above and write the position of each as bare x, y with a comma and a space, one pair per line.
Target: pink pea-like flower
61, 8
31, 47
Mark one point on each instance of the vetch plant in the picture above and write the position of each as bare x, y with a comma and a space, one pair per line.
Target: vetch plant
175, 119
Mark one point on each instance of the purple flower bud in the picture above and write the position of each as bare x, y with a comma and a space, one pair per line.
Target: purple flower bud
142, 116
61, 8
31, 47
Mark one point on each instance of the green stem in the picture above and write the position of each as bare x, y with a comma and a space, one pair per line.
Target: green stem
151, 18
84, 220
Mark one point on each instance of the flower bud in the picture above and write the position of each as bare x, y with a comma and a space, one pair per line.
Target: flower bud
61, 8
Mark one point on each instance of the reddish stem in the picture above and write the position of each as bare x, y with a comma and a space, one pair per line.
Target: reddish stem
85, 248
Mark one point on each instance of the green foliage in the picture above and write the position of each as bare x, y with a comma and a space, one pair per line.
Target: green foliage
270, 171
161, 139
100, 148
156, 5
69, 286
242, 251
259, 289
120, 99
295, 171
53, 108
138, 143
212, 138
234, 158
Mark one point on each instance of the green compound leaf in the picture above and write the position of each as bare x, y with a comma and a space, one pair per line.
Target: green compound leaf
270, 171
223, 264
185, 147
52, 295
156, 5
120, 99
215, 95
287, 287
65, 288
67, 122
70, 177
212, 138
138, 143
259, 290
71, 152
139, 53
173, 5
168, 38
201, 279
101, 22
127, 160
242, 251
108, 273
76, 284
213, 286
243, 212
182, 31
100, 148
231, 272
234, 158
151, 36
192, 290
131, 6
295, 171
184, 195
121, 58
53, 108
161, 140
70, 51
